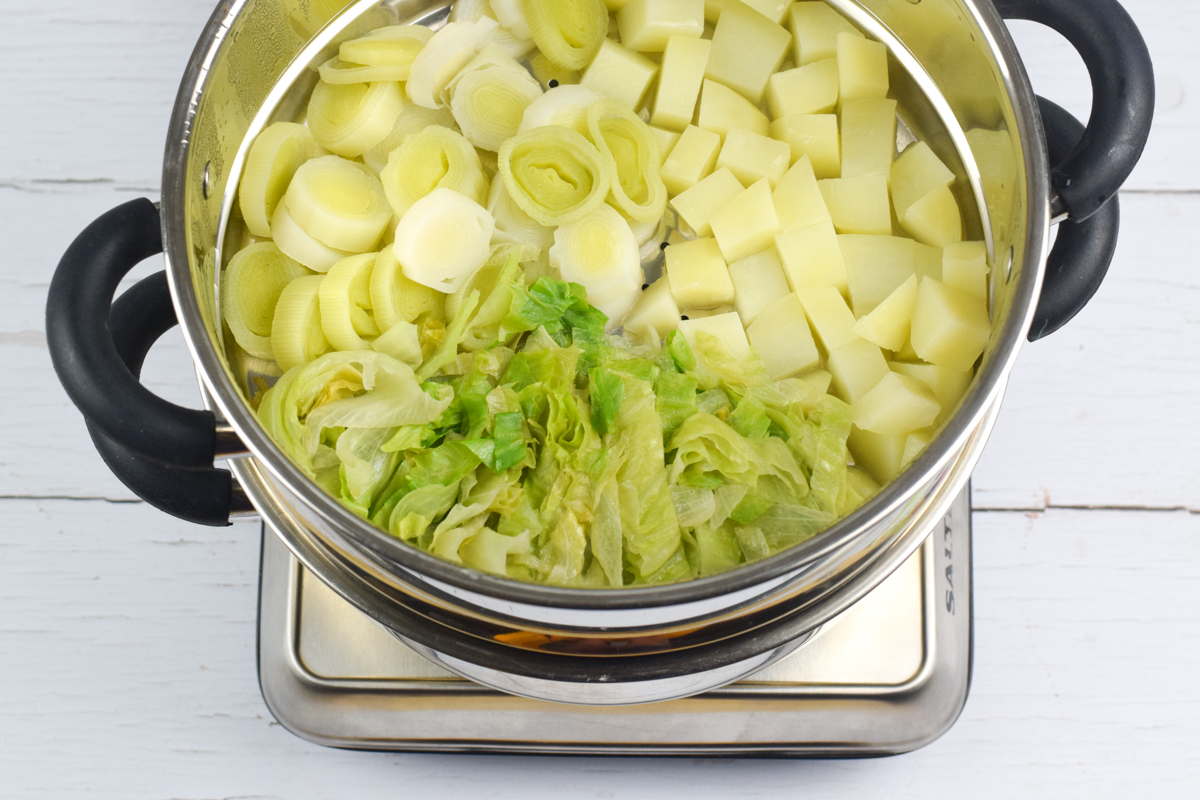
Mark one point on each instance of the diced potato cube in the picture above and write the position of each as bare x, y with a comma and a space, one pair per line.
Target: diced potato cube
948, 385
965, 267
875, 266
914, 445
705, 313
858, 205
928, 260
722, 109
819, 379
774, 10
683, 67
862, 68
647, 25
890, 323
812, 259
747, 48
691, 160
815, 136
697, 205
656, 310
857, 367
666, 140
758, 281
726, 327
747, 224
935, 219
783, 339
880, 455
916, 173
698, 275
751, 157
620, 73
811, 89
897, 404
798, 199
815, 27
950, 328
868, 138
830, 317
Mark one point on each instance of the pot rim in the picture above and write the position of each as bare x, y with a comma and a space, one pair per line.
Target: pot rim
986, 389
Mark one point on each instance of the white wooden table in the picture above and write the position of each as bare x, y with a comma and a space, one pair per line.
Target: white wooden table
127, 640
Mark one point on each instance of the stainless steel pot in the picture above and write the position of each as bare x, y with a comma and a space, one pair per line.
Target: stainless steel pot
963, 90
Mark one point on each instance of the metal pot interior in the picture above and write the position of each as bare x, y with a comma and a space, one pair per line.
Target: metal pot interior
954, 70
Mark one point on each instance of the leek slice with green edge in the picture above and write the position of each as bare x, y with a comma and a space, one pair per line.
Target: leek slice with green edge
550, 75
396, 299
299, 245
339, 203
345, 297
296, 334
350, 119
632, 156
512, 223
511, 14
444, 55
554, 175
443, 239
489, 98
275, 156
337, 71
250, 289
566, 106
395, 47
435, 158
600, 253
569, 32
413, 119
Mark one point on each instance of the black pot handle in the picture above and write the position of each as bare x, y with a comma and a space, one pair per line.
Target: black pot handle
86, 357
1084, 250
205, 496
1122, 98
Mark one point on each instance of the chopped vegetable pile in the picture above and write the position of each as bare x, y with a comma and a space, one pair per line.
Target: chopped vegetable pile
441, 300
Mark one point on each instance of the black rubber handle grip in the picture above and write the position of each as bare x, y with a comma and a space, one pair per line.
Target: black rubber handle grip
205, 496
1122, 96
1084, 250
86, 358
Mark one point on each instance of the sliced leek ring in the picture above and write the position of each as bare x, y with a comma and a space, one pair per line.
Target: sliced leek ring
435, 158
297, 244
444, 55
513, 224
509, 42
345, 298
511, 14
554, 175
599, 253
296, 334
569, 32
396, 299
413, 119
489, 100
250, 289
339, 203
632, 157
396, 47
443, 239
566, 106
350, 119
337, 71
275, 156
471, 10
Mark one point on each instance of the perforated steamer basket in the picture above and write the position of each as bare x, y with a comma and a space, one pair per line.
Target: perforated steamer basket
961, 88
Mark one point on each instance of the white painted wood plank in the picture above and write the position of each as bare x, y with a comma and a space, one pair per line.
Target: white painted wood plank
129, 673
1104, 412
